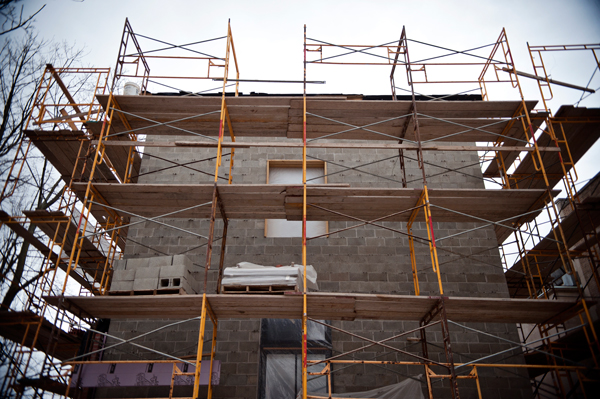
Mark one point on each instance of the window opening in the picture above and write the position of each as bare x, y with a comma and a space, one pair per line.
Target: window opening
290, 172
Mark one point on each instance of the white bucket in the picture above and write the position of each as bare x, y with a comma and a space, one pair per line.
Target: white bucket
131, 89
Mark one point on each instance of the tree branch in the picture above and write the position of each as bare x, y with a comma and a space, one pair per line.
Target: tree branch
10, 17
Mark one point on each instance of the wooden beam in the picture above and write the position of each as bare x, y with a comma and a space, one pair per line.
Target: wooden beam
382, 146
71, 124
64, 89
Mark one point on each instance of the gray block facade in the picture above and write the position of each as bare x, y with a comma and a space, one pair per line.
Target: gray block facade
363, 260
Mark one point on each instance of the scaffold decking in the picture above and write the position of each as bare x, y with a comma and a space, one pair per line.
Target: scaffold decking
263, 201
321, 305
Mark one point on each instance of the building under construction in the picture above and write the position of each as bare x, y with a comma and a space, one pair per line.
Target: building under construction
279, 246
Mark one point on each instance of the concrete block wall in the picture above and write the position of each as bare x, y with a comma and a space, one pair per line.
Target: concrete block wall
363, 260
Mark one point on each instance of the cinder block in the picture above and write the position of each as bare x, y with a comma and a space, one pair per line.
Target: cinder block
165, 283
182, 260
140, 284
121, 286
196, 284
147, 272
136, 263
171, 283
197, 276
179, 270
123, 275
119, 264
175, 283
160, 261
187, 287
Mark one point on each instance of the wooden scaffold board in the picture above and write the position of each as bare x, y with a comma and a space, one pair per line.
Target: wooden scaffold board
329, 306
252, 116
272, 201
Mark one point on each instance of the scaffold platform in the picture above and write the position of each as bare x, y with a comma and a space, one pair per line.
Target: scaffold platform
329, 306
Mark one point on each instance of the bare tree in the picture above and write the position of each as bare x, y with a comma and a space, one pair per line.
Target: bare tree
20, 69
22, 63
13, 18
14, 260
23, 57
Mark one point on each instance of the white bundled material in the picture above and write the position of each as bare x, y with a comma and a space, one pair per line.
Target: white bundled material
250, 274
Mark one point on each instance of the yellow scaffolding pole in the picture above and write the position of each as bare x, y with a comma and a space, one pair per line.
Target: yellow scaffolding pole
304, 305
200, 347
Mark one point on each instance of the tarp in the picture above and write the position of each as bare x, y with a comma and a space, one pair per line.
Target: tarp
407, 389
246, 273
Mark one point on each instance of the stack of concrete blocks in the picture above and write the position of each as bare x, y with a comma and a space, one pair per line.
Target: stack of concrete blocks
155, 273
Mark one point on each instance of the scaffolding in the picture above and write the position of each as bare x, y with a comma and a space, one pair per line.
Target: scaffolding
96, 146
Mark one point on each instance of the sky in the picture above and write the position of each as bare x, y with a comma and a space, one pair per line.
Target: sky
268, 38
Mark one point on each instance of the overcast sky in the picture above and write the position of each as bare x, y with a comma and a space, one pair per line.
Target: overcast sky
268, 36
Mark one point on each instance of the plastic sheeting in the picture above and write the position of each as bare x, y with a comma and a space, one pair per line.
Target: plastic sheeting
284, 375
282, 333
281, 357
407, 389
246, 273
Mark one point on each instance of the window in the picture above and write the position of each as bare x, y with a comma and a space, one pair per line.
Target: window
290, 172
281, 357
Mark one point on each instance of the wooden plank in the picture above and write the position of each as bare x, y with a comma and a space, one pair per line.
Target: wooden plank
580, 138
461, 109
191, 103
473, 109
332, 306
382, 146
187, 103
281, 117
368, 204
53, 146
62, 148
261, 201
493, 169
64, 89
